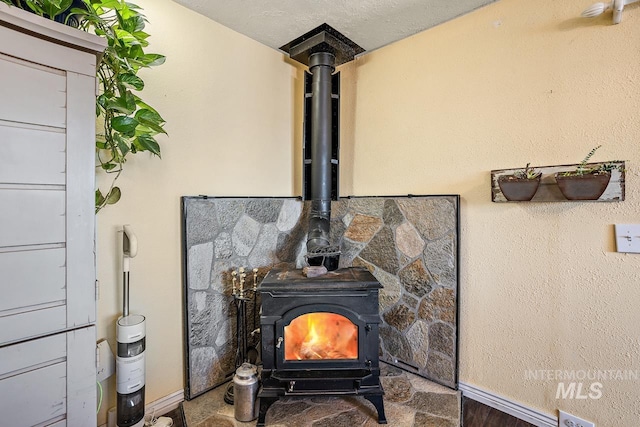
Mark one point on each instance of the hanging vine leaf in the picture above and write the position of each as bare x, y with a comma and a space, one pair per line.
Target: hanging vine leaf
150, 119
125, 104
114, 196
152, 60
54, 8
108, 166
123, 146
124, 124
99, 198
131, 81
148, 143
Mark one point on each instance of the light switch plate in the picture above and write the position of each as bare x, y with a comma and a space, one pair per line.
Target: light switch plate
628, 238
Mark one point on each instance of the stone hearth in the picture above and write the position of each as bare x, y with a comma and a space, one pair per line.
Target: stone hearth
408, 243
410, 401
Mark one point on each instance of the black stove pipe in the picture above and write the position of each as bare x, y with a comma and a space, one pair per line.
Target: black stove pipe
319, 252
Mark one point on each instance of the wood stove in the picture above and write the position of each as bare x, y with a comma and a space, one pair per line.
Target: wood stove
320, 336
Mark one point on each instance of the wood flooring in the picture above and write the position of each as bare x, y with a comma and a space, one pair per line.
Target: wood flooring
475, 414
177, 417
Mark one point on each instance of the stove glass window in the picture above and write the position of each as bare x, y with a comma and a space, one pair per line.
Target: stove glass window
317, 336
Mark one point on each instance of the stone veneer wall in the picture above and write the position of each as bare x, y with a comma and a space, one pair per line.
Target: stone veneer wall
408, 243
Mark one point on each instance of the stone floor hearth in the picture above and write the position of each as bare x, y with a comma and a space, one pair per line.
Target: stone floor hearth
410, 401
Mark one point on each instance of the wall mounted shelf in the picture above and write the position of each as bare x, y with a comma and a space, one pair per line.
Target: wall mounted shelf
548, 191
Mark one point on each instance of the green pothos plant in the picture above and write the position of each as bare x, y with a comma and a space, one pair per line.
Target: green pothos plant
127, 124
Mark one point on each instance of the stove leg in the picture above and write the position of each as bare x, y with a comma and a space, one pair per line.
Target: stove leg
265, 403
377, 401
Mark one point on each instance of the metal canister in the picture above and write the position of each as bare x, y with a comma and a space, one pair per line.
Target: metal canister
245, 392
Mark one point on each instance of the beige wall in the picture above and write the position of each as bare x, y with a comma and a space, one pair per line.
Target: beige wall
515, 82
229, 106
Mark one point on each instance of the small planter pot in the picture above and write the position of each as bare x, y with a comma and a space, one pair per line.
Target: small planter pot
518, 189
583, 187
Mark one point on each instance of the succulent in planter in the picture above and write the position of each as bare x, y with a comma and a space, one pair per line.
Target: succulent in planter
586, 182
521, 185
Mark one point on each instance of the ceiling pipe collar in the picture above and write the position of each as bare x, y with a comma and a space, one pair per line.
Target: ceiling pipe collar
326, 59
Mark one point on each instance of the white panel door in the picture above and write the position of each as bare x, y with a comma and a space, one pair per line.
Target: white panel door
49, 381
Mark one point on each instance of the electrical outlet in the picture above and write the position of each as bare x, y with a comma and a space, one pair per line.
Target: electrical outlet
105, 361
568, 420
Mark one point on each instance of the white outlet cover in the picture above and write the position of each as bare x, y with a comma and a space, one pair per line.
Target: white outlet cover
568, 420
106, 361
628, 238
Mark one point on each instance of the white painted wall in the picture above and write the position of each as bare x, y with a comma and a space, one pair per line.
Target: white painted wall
514, 82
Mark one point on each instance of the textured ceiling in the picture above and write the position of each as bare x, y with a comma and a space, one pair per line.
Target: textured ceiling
369, 23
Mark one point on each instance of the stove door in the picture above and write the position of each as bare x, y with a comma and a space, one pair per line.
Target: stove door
320, 337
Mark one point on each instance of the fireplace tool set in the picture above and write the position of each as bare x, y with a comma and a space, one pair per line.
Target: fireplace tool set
242, 294
242, 392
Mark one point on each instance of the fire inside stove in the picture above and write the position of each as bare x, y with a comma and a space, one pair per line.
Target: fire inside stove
319, 336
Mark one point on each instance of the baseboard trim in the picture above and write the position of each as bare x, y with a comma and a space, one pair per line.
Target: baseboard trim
163, 405
507, 406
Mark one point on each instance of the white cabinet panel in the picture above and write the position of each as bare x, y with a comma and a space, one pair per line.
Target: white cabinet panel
81, 273
25, 46
81, 379
32, 324
19, 358
31, 155
47, 222
32, 277
34, 397
38, 94
49, 381
31, 217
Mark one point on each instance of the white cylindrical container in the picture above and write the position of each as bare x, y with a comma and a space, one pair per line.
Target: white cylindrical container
245, 393
130, 369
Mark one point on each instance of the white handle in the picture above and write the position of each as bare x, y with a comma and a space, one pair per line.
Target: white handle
129, 242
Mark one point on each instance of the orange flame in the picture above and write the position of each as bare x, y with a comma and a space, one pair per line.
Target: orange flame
316, 336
